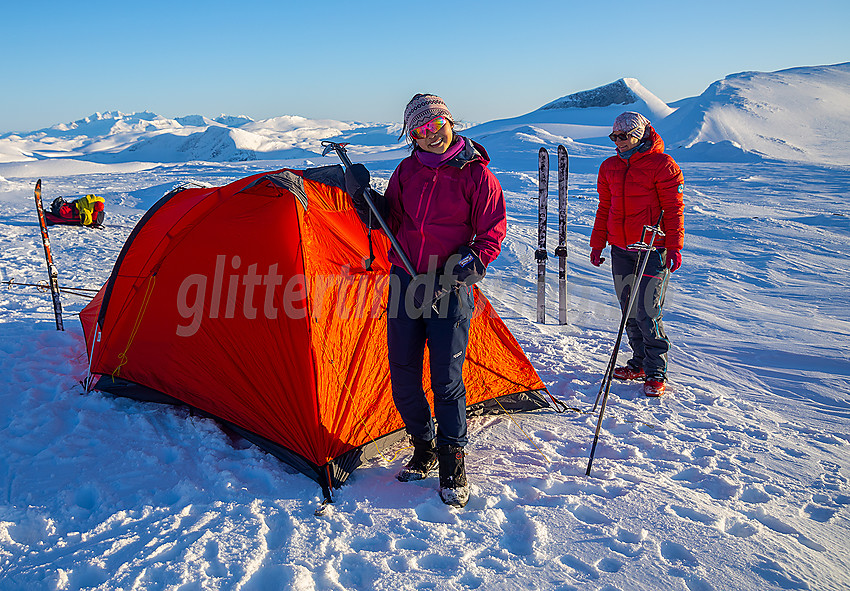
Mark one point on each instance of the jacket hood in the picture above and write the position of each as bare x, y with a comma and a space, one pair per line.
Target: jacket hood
471, 152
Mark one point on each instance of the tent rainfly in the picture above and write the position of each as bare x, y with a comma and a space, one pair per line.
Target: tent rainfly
250, 303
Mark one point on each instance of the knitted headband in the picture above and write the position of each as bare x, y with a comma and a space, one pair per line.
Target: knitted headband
632, 123
422, 108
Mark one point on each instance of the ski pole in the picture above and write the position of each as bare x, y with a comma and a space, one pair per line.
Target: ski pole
43, 286
638, 272
346, 161
645, 248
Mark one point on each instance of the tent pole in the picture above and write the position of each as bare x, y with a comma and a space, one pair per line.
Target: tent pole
95, 338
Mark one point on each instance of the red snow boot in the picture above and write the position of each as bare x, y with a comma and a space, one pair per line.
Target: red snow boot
627, 372
654, 388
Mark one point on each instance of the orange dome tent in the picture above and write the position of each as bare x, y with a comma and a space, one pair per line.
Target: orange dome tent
251, 303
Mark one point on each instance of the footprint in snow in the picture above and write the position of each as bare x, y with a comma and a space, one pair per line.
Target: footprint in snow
215, 565
756, 433
820, 512
831, 479
398, 564
583, 569
794, 453
439, 563
690, 514
676, 553
519, 533
754, 493
628, 537
379, 542
627, 543
357, 572
739, 528
781, 527
588, 515
609, 565
718, 486
695, 583
776, 574
824, 506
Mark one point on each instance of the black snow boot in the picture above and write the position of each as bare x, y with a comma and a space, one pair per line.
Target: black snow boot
454, 489
423, 461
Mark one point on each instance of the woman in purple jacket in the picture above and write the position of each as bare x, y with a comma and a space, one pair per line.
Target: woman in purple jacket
447, 211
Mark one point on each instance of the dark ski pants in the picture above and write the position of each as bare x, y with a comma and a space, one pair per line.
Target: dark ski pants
409, 327
644, 327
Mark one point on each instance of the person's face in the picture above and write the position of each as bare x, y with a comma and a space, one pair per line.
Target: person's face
436, 142
624, 144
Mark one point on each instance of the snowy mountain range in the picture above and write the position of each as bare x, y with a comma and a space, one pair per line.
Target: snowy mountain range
799, 114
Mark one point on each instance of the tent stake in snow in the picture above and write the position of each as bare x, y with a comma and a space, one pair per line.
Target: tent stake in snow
540, 255
645, 247
51, 268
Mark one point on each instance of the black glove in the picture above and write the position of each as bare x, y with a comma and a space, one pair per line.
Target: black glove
469, 269
356, 179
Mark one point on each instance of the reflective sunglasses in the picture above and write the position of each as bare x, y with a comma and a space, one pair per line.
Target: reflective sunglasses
619, 136
433, 126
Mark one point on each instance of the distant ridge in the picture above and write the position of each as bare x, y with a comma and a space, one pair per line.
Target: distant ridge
799, 114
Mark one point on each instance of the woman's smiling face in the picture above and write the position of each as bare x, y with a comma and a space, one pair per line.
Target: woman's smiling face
437, 142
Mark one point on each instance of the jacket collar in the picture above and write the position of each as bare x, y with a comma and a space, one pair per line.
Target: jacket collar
651, 144
470, 152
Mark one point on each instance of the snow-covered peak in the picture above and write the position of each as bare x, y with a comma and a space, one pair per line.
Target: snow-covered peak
100, 124
624, 92
233, 121
615, 93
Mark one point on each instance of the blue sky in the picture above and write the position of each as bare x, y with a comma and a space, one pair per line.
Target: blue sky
362, 60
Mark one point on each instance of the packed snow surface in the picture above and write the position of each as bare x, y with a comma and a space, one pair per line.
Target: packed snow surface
736, 479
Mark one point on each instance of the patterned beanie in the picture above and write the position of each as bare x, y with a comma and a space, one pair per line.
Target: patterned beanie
632, 123
422, 108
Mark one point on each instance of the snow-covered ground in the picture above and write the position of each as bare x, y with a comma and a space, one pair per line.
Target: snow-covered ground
738, 479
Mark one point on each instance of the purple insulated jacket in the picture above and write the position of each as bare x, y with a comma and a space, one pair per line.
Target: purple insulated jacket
435, 211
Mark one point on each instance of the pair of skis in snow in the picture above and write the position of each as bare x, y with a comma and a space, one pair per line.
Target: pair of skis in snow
541, 255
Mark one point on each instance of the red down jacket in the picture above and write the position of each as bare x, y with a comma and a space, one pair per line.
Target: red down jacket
435, 211
632, 194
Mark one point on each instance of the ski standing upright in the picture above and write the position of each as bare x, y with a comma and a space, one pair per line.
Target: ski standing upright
561, 250
51, 268
540, 254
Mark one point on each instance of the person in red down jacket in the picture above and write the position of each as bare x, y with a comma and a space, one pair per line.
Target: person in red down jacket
634, 187
447, 211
